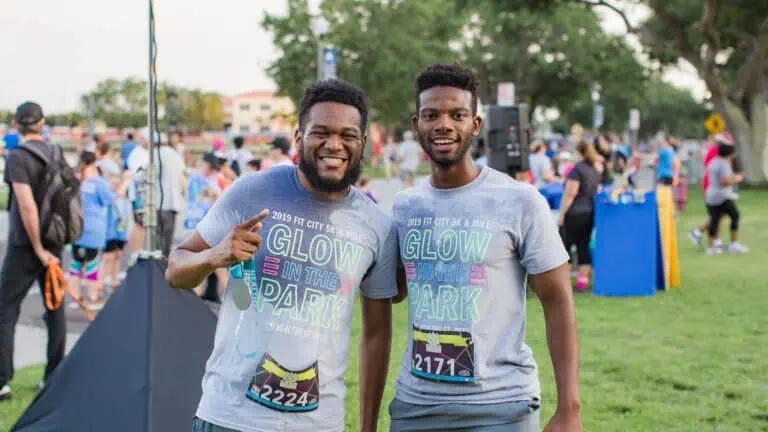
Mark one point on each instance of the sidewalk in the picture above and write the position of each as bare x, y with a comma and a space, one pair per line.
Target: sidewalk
31, 344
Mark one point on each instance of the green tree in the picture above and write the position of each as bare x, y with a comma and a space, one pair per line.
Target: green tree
382, 46
554, 62
727, 44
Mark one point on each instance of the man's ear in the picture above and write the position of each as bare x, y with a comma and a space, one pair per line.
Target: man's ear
298, 140
477, 124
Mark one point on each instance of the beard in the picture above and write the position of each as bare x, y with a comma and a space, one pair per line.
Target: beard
351, 175
446, 161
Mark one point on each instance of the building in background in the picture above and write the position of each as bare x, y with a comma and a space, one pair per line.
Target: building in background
259, 113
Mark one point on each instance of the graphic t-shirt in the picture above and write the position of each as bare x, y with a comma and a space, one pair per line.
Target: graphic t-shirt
97, 196
279, 364
467, 252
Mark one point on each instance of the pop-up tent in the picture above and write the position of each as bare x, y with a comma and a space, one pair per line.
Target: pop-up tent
138, 367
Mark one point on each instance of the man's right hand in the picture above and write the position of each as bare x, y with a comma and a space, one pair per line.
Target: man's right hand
738, 178
241, 243
46, 257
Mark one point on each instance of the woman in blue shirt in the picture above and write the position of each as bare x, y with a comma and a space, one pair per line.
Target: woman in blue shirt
97, 196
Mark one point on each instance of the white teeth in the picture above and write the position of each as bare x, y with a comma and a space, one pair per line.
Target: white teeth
443, 141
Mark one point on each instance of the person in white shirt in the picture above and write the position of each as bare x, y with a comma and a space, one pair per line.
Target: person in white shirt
239, 156
169, 189
409, 154
280, 153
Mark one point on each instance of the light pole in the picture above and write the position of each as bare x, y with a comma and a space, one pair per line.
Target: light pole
326, 53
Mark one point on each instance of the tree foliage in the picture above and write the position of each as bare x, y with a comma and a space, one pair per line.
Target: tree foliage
123, 104
382, 46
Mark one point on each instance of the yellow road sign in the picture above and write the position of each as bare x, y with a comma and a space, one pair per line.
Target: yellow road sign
715, 124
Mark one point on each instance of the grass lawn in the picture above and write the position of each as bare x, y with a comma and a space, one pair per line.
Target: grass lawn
693, 359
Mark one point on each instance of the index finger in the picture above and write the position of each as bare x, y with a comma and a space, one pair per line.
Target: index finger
252, 222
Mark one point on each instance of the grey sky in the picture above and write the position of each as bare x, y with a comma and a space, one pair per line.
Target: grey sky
54, 50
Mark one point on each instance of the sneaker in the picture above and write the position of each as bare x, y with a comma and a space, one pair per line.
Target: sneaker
95, 305
581, 283
737, 248
5, 392
714, 251
40, 385
695, 236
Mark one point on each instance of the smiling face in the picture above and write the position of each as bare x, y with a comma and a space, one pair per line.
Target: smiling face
445, 124
331, 146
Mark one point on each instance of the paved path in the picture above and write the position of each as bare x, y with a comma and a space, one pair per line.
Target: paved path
31, 334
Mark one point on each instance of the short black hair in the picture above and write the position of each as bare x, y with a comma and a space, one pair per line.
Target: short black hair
238, 142
725, 150
129, 136
333, 90
447, 75
255, 163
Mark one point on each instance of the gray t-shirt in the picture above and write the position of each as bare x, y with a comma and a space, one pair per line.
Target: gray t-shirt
280, 364
718, 169
467, 252
539, 164
410, 152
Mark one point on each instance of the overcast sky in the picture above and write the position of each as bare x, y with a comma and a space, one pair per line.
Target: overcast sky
55, 50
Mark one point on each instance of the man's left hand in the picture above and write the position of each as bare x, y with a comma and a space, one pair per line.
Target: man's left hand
564, 421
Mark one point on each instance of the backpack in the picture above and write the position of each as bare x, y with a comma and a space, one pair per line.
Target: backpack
59, 201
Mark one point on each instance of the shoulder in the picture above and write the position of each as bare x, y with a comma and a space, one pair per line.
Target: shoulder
507, 188
371, 210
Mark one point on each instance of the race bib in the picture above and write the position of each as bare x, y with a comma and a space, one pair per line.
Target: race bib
280, 389
443, 355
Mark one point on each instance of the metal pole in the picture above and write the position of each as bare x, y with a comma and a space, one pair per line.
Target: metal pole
151, 212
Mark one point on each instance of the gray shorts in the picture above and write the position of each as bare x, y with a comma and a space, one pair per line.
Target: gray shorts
200, 425
520, 416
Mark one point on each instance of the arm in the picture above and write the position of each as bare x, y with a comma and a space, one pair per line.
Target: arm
402, 284
569, 195
375, 342
554, 291
29, 216
193, 260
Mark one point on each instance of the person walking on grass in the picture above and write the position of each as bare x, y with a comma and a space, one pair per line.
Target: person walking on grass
306, 241
721, 200
470, 238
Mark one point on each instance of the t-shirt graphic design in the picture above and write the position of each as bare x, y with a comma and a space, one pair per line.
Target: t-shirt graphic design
282, 338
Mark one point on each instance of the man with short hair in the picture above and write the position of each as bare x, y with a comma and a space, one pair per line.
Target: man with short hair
127, 147
409, 154
470, 237
239, 157
105, 162
27, 257
302, 241
280, 154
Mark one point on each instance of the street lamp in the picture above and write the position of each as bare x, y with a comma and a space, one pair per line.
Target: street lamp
326, 53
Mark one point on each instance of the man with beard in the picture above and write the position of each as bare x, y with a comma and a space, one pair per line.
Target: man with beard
469, 237
299, 242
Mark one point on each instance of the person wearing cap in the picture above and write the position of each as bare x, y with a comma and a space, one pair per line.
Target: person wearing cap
280, 153
26, 258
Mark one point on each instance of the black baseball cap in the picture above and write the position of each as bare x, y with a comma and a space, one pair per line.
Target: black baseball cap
29, 113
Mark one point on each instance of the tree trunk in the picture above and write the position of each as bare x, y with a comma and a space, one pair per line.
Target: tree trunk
751, 134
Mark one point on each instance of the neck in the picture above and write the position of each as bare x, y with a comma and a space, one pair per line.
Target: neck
454, 176
90, 171
333, 196
32, 137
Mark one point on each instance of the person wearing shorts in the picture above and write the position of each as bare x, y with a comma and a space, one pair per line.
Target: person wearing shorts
470, 237
118, 215
97, 195
283, 333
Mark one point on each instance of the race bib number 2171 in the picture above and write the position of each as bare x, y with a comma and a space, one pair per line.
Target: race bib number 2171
443, 355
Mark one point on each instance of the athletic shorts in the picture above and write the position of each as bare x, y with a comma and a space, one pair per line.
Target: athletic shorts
114, 245
522, 416
85, 263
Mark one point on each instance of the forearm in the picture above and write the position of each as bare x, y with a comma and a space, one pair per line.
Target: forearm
31, 222
187, 269
565, 204
374, 363
563, 345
